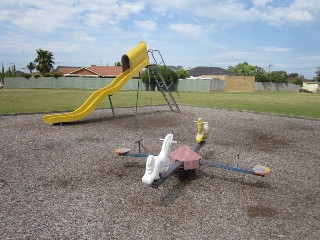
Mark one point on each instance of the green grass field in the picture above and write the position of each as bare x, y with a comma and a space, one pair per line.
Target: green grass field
47, 100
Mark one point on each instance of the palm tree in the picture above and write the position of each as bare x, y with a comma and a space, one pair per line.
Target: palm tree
44, 61
31, 66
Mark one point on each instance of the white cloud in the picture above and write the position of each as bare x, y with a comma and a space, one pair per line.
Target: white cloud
147, 24
188, 29
165, 6
204, 30
275, 49
234, 11
310, 58
60, 46
260, 3
47, 16
127, 8
299, 12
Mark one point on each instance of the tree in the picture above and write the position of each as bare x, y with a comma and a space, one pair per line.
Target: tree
44, 61
31, 66
117, 64
182, 73
284, 74
2, 72
14, 73
277, 77
250, 70
317, 78
9, 72
168, 75
298, 81
244, 69
261, 77
293, 75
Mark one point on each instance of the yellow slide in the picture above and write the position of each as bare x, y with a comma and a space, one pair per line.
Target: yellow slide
132, 63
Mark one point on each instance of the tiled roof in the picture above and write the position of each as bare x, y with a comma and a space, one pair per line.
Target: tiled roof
101, 71
65, 70
200, 71
106, 70
291, 79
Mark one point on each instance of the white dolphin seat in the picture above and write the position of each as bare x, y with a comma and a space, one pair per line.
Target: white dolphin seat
156, 165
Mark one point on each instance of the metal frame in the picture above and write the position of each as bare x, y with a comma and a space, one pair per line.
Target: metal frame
161, 83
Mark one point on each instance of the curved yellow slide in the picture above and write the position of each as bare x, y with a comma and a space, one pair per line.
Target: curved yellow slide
132, 63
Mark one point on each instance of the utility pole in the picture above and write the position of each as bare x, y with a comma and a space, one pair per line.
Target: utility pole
270, 65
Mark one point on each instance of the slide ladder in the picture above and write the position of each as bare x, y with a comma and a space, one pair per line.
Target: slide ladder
162, 86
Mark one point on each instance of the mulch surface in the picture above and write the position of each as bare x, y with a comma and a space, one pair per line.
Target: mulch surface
65, 181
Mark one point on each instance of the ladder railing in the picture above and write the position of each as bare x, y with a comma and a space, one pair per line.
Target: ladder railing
163, 87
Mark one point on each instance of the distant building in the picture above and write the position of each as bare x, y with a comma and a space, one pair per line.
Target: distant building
92, 71
311, 85
233, 82
65, 70
210, 71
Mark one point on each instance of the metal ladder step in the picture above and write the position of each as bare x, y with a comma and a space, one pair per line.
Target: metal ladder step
154, 69
163, 87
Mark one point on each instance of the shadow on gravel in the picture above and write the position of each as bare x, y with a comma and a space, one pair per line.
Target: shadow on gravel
108, 118
174, 193
257, 184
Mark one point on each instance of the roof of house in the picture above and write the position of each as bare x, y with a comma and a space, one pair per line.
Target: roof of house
304, 80
173, 68
93, 70
200, 71
309, 81
103, 71
64, 70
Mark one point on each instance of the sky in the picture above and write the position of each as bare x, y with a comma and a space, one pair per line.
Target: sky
277, 35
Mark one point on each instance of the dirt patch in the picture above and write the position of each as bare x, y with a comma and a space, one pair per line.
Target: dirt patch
260, 211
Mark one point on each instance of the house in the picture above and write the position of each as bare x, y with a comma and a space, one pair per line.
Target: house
65, 70
310, 85
92, 71
210, 71
233, 82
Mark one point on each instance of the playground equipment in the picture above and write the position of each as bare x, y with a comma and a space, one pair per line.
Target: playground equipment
156, 165
184, 159
203, 130
132, 63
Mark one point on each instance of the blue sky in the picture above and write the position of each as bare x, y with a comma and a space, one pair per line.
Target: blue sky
221, 33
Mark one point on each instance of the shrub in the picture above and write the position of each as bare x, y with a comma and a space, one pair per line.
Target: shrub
37, 75
48, 75
56, 75
298, 81
168, 75
27, 75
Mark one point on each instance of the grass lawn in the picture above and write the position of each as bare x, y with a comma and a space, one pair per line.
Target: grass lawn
45, 100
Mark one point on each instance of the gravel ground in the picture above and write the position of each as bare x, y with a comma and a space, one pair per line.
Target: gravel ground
65, 182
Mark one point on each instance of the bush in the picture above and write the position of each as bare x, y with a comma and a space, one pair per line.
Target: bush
261, 77
168, 75
182, 73
276, 77
56, 75
298, 81
48, 75
27, 75
37, 75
